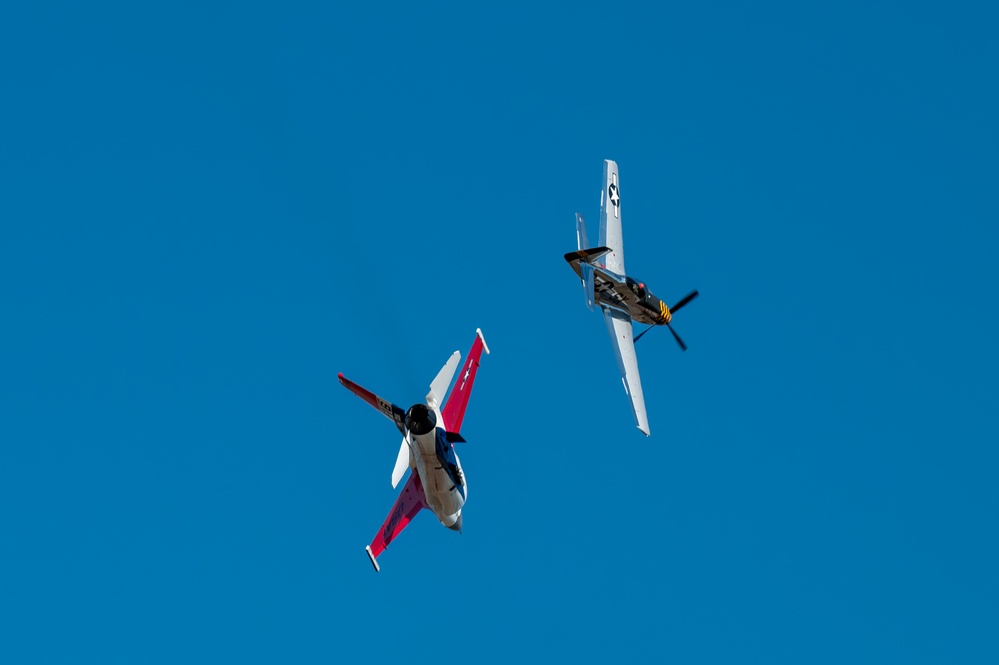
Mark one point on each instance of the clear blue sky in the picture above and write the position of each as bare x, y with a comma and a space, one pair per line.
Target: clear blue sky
208, 212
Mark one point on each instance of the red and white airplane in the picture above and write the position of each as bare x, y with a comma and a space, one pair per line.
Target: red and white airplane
429, 434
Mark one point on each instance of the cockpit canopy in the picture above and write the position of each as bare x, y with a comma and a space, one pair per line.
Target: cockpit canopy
638, 288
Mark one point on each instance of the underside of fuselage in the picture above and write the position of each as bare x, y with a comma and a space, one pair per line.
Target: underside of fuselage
625, 294
638, 311
434, 458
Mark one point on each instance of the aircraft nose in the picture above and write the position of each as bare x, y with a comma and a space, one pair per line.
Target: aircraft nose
457, 524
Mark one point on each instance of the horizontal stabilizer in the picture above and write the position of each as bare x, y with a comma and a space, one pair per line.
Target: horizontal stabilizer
586, 255
454, 437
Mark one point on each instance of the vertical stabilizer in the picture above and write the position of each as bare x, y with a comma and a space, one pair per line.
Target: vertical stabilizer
582, 242
587, 270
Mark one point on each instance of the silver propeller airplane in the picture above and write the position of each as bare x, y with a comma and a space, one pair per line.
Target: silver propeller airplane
622, 299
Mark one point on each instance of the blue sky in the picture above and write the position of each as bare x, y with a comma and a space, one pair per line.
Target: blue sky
208, 212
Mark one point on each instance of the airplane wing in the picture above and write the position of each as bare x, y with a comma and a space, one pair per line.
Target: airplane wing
410, 501
388, 409
619, 327
454, 410
610, 219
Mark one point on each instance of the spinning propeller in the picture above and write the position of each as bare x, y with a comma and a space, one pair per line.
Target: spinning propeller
683, 301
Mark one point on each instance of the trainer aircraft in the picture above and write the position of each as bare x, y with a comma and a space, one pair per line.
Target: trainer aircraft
429, 431
621, 298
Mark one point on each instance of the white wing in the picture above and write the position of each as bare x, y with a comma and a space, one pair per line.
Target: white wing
610, 219
619, 327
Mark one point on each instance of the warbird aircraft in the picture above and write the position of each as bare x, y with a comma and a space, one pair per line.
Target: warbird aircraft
622, 299
428, 437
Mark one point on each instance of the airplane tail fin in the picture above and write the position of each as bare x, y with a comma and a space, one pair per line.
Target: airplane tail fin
587, 255
582, 242
584, 260
586, 270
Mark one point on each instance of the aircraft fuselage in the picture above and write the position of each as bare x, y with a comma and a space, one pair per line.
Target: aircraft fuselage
628, 295
434, 458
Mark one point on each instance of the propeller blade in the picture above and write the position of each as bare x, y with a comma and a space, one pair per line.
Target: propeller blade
643, 332
683, 301
678, 340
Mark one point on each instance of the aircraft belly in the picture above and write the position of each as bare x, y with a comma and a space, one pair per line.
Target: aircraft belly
642, 316
626, 304
614, 294
444, 501
613, 304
